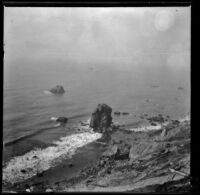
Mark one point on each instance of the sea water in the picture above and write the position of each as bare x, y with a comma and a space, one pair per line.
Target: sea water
28, 106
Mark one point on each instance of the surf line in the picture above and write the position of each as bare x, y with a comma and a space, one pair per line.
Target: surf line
36, 161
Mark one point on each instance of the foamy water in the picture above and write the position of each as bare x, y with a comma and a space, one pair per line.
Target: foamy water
158, 126
39, 160
47, 92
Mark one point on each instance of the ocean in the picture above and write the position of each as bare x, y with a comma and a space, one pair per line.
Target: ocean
135, 88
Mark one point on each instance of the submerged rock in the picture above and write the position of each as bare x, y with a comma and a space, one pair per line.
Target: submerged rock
180, 88
58, 89
155, 86
159, 119
125, 113
117, 113
62, 119
101, 118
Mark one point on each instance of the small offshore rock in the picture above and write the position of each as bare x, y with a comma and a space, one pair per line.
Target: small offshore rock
58, 89
117, 113
158, 118
125, 113
155, 86
180, 88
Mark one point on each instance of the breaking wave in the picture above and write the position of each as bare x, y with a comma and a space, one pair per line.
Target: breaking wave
36, 161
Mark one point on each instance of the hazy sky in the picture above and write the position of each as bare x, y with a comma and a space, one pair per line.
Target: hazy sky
122, 34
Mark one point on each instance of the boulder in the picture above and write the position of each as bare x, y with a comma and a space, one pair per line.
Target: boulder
58, 89
101, 118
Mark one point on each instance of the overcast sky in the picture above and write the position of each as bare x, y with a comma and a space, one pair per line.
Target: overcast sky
99, 33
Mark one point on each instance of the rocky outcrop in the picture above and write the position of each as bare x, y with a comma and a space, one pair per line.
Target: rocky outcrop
158, 119
58, 89
101, 118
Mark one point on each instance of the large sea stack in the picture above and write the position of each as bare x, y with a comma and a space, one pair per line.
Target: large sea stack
101, 118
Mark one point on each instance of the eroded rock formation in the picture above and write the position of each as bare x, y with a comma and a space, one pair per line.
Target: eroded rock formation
101, 118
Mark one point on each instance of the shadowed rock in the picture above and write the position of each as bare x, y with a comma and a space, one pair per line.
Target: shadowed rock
101, 118
58, 89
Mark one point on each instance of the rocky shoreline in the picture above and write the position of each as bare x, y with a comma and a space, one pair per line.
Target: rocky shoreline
151, 165
143, 161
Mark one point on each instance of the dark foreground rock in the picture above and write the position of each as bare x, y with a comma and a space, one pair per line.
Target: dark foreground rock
58, 89
101, 118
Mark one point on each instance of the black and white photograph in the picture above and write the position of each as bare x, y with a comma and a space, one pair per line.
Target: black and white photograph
96, 99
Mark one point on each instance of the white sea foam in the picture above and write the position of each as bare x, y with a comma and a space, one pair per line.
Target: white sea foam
57, 125
159, 126
54, 118
36, 161
147, 128
47, 92
186, 118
